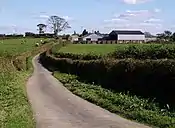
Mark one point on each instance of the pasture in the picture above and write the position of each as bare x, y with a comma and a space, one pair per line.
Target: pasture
91, 48
104, 49
17, 46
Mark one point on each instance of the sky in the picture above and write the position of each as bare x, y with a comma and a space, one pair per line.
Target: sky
153, 16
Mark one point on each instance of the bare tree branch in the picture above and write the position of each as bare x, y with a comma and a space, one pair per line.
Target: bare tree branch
58, 24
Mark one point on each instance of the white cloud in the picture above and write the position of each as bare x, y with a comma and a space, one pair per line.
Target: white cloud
135, 1
115, 20
44, 16
152, 20
12, 28
67, 18
145, 20
157, 10
128, 14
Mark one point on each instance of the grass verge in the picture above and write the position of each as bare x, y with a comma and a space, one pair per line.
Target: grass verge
15, 111
131, 107
15, 69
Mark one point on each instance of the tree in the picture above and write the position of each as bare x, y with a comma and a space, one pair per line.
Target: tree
148, 34
41, 28
85, 32
75, 33
97, 32
161, 36
173, 37
167, 35
58, 24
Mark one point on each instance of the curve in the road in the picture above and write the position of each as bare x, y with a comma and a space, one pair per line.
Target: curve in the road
56, 107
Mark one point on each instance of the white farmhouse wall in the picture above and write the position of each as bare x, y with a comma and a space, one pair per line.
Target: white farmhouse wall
93, 37
75, 39
131, 37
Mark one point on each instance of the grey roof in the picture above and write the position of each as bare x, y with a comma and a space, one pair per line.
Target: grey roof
104, 35
135, 32
91, 34
87, 35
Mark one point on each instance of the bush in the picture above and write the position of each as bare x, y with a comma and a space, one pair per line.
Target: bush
148, 78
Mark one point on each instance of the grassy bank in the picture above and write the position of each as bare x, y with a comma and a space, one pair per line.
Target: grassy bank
15, 68
131, 107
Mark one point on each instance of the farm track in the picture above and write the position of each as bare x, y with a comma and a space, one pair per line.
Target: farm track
56, 107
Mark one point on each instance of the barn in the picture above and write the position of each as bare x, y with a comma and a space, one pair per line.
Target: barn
125, 36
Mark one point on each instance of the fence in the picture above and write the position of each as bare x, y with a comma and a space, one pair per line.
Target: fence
108, 42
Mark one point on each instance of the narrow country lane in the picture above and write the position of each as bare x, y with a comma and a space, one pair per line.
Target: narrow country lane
56, 107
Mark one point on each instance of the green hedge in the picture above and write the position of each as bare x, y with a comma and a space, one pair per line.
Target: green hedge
148, 78
77, 56
131, 107
151, 51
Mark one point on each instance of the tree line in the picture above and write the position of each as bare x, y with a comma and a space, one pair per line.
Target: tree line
166, 36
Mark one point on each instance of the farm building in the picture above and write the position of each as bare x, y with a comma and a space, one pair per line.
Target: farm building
124, 36
92, 37
74, 38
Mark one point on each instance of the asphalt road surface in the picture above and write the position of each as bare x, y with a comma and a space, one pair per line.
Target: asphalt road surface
56, 107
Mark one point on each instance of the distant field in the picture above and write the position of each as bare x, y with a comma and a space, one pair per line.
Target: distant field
103, 49
91, 48
14, 46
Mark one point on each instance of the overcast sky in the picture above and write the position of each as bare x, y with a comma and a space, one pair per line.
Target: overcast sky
103, 15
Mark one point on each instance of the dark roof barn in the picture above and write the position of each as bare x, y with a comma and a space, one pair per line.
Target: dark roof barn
127, 32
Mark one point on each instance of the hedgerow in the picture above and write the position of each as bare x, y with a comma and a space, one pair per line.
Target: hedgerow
147, 78
126, 105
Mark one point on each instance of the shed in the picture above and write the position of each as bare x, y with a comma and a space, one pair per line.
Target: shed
74, 38
92, 37
127, 35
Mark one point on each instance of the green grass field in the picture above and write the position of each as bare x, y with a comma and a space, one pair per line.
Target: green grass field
14, 46
91, 48
103, 49
15, 111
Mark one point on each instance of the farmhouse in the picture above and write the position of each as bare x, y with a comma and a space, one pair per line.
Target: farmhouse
125, 36
92, 37
74, 38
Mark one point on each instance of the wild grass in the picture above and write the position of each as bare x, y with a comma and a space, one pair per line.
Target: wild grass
131, 107
15, 111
